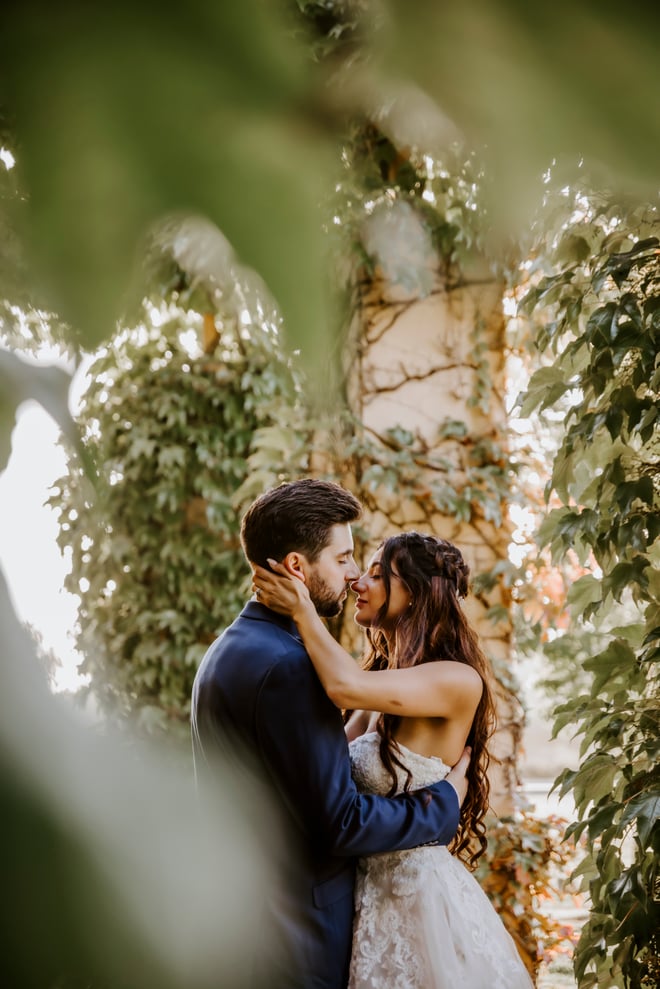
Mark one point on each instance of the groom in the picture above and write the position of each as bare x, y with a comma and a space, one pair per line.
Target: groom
257, 698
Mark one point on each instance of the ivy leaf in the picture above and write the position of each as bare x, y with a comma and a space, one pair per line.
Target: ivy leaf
633, 634
629, 307
612, 662
626, 574
601, 326
563, 718
614, 420
140, 446
563, 476
545, 386
631, 491
586, 868
606, 466
584, 593
623, 886
452, 429
645, 810
601, 819
648, 423
618, 266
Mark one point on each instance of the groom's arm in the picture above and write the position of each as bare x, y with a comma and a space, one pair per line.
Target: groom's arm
302, 741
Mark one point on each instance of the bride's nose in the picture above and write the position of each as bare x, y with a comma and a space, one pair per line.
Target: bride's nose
357, 584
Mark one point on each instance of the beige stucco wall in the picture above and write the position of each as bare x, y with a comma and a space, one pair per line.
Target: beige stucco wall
417, 364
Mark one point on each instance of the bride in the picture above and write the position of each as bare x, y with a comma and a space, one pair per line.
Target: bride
422, 921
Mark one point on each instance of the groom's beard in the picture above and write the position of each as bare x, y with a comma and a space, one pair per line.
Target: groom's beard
327, 602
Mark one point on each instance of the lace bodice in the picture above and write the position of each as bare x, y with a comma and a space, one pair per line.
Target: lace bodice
401, 871
371, 776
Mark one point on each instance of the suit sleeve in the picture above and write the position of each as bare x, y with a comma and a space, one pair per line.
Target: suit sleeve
302, 741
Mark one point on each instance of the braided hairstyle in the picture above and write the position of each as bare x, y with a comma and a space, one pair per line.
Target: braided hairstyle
435, 628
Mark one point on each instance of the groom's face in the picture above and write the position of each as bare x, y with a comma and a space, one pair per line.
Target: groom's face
328, 578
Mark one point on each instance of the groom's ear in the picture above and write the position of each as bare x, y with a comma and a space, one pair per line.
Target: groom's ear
296, 564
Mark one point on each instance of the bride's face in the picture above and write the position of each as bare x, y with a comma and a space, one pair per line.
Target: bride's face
370, 590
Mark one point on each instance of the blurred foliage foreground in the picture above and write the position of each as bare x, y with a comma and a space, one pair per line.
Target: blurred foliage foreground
111, 876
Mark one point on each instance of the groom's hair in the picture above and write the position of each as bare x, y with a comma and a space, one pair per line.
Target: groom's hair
296, 517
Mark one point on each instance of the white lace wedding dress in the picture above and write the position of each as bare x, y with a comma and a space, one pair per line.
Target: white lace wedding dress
422, 921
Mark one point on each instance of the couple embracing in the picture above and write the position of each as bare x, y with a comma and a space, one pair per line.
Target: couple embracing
374, 893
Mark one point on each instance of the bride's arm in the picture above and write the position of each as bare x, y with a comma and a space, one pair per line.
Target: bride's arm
442, 690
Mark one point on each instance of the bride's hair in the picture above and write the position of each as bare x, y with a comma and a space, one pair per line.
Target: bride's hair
433, 628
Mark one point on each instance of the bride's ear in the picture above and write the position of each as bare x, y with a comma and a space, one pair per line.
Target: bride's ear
295, 564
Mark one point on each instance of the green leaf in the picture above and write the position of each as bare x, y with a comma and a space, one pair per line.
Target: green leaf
594, 779
601, 326
550, 525
612, 663
630, 492
644, 809
626, 574
601, 820
452, 429
209, 113
648, 423
583, 593
572, 248
633, 633
563, 476
624, 886
567, 716
546, 385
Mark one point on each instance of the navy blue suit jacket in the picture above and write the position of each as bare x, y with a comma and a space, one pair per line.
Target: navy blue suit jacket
257, 698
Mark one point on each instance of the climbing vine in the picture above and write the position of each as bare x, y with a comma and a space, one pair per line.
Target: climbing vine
526, 866
156, 559
597, 309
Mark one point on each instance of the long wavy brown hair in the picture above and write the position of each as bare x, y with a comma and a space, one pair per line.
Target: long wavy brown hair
435, 628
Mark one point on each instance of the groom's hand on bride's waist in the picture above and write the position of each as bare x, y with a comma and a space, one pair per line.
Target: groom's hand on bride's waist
457, 775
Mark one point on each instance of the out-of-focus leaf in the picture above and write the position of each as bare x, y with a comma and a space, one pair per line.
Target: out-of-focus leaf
126, 113
114, 877
533, 82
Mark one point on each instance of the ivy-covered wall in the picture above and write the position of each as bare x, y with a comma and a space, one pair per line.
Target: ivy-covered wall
156, 558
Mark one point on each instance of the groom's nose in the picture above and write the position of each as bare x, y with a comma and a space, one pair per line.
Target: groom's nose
353, 572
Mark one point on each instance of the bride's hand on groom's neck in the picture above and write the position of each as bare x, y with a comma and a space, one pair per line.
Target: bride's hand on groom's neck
279, 589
